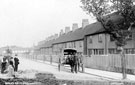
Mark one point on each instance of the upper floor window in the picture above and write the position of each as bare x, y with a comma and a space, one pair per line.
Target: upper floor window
112, 38
80, 44
130, 36
65, 45
100, 38
74, 45
90, 39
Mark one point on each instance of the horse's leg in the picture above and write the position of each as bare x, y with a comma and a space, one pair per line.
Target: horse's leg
78, 67
71, 68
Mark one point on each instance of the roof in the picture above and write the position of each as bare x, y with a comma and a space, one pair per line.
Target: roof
94, 28
47, 44
70, 36
79, 33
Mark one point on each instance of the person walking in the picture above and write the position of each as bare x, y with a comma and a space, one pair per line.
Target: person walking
76, 61
16, 62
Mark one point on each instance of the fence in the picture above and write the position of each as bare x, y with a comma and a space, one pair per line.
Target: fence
110, 62
102, 62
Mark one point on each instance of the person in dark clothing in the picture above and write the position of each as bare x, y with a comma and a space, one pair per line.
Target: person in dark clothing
16, 62
3, 65
76, 61
71, 63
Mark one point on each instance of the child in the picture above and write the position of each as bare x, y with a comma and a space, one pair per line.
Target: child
11, 69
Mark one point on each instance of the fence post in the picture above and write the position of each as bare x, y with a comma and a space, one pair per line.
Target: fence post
123, 65
123, 62
50, 59
83, 65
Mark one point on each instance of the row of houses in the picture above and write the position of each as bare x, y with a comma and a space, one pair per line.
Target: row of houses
89, 39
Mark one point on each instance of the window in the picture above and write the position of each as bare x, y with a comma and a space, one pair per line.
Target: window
133, 51
69, 45
89, 52
74, 45
80, 44
130, 36
129, 51
90, 39
98, 51
111, 38
112, 51
101, 51
100, 38
95, 51
65, 45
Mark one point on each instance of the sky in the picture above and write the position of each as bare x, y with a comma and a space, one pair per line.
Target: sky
26, 22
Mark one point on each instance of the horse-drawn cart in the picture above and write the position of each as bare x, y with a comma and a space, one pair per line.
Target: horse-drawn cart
70, 58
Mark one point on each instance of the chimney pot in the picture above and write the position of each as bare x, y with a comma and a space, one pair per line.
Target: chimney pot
67, 29
61, 32
85, 22
74, 26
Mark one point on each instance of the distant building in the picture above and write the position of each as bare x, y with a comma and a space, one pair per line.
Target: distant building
15, 50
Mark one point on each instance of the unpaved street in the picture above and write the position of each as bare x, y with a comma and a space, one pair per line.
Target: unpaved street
32, 66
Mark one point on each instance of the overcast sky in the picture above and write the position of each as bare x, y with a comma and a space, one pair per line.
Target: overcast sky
26, 22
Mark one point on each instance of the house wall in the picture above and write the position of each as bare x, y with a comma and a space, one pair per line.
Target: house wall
79, 46
107, 45
111, 44
97, 44
57, 48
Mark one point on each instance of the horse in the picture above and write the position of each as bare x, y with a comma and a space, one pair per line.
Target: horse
72, 61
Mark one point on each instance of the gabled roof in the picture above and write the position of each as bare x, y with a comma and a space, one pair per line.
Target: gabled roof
47, 44
79, 34
94, 28
70, 36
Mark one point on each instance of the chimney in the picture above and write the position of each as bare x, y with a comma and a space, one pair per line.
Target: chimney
56, 36
74, 26
67, 29
51, 37
85, 22
61, 32
47, 39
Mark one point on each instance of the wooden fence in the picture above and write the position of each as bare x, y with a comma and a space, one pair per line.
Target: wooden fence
110, 62
102, 62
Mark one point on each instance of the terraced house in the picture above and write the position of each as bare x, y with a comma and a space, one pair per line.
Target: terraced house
90, 39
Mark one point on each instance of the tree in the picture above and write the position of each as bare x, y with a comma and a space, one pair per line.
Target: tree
117, 18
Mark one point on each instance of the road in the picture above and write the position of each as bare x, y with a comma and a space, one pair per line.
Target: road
32, 66
28, 68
